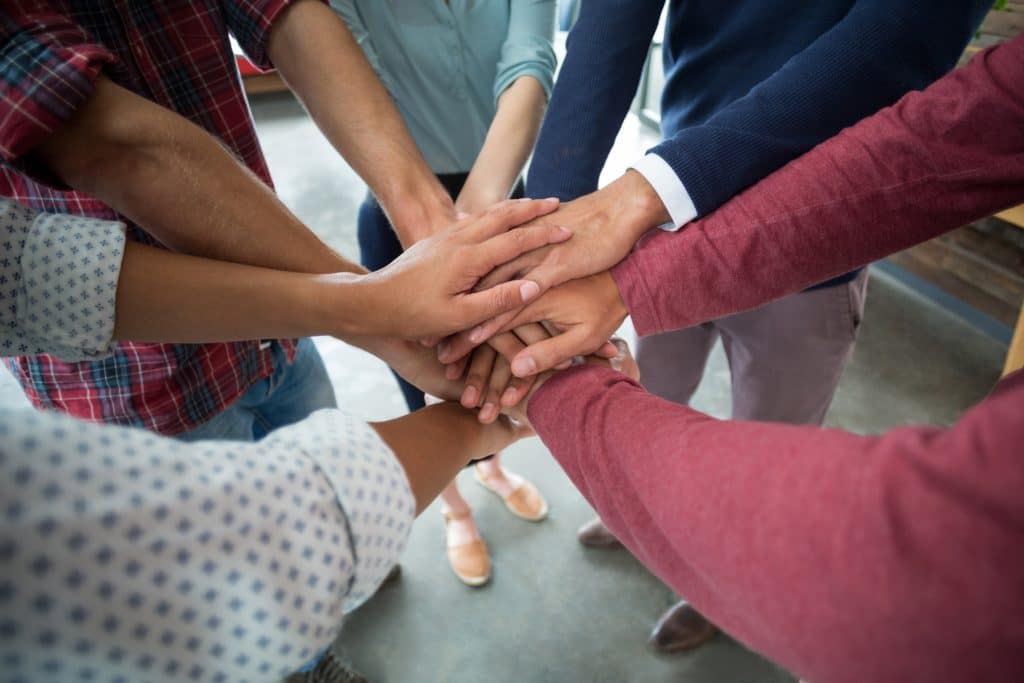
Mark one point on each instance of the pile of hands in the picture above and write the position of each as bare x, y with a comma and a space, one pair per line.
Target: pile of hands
484, 309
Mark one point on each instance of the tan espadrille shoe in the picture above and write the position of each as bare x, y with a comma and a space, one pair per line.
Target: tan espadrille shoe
524, 502
469, 561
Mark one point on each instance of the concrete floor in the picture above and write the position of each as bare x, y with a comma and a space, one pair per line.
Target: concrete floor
554, 611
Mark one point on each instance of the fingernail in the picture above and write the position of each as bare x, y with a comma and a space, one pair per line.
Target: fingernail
488, 411
451, 372
509, 397
477, 333
551, 199
524, 367
528, 290
443, 350
469, 396
564, 230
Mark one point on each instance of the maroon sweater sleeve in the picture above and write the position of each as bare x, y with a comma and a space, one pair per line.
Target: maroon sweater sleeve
842, 557
934, 161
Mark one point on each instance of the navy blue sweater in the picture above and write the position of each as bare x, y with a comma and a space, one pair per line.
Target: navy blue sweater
748, 85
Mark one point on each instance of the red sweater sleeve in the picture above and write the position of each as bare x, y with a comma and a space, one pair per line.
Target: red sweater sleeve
845, 558
934, 161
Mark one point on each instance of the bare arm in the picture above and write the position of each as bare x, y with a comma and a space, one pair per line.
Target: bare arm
507, 146
434, 443
316, 54
176, 181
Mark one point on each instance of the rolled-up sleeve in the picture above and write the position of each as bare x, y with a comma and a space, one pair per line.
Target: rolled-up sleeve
528, 50
151, 559
250, 22
48, 69
58, 283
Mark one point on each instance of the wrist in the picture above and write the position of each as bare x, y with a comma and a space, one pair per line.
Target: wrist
344, 305
417, 210
641, 207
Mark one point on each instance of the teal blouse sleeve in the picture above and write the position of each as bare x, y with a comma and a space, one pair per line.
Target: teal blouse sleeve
528, 49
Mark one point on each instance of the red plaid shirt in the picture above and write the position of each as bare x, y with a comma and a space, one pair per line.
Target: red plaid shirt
175, 53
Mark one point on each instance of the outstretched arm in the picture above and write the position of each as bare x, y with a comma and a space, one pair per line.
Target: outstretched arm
316, 54
794, 539
934, 161
150, 544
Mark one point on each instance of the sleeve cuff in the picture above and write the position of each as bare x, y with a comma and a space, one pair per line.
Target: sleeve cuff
372, 490
52, 65
670, 190
70, 267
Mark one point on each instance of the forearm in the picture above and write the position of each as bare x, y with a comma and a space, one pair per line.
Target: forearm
606, 51
180, 185
507, 146
317, 56
778, 531
935, 161
434, 443
173, 298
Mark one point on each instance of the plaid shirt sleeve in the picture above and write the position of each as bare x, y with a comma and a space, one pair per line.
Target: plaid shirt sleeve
48, 68
250, 22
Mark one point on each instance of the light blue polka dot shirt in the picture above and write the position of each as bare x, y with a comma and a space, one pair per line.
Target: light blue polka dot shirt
126, 556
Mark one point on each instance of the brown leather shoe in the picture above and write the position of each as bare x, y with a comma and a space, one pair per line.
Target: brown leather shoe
594, 534
681, 628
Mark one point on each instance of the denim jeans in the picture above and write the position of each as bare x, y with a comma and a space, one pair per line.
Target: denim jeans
290, 394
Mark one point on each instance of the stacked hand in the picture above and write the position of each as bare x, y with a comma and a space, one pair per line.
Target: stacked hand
521, 301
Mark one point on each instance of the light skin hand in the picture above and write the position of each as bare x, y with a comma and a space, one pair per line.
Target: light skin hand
428, 290
605, 224
586, 312
622, 362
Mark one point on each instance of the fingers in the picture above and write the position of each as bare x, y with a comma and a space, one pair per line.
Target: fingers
454, 370
518, 388
500, 376
514, 243
479, 370
512, 269
507, 345
458, 345
549, 353
480, 306
508, 214
609, 349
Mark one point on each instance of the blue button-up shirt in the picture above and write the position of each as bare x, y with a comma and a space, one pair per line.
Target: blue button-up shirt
446, 63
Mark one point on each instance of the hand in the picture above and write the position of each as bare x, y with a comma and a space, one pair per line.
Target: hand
416, 364
427, 291
622, 362
605, 225
585, 313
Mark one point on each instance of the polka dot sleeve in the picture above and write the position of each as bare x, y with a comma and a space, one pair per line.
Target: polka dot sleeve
125, 556
58, 283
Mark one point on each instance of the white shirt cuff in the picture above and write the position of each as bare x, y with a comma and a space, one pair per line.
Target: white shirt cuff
669, 189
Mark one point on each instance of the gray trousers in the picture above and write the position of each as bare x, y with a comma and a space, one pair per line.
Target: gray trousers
785, 358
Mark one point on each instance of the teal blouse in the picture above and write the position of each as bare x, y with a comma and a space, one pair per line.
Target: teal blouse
446, 64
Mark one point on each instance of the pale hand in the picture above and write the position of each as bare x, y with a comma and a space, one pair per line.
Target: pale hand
428, 291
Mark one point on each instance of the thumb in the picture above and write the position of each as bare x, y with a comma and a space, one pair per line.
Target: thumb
546, 354
510, 296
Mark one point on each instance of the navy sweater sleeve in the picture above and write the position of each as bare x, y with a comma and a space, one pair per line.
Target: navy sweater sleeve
606, 52
874, 55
